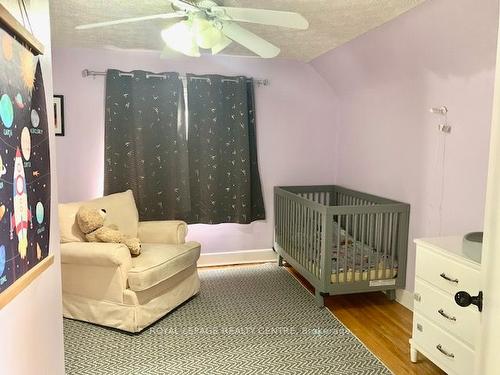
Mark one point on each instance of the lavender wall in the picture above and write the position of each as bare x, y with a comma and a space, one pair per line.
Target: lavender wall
295, 129
370, 99
440, 53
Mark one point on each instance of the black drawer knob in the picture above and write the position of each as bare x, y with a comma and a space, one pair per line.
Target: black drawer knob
464, 299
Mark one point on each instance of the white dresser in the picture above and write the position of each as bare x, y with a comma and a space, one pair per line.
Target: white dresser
443, 331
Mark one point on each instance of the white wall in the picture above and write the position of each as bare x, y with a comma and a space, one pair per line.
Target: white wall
295, 131
439, 53
31, 324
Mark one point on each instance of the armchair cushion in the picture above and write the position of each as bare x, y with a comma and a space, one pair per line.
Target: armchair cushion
120, 209
159, 262
167, 232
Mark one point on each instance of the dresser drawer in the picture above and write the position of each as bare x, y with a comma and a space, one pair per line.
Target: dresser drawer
446, 273
444, 348
441, 309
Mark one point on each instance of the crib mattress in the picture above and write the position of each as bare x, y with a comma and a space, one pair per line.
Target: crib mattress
382, 273
349, 255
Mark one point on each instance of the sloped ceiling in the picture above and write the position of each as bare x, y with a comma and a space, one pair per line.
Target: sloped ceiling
332, 23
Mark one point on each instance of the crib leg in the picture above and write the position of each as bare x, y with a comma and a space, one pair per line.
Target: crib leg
391, 294
319, 298
280, 260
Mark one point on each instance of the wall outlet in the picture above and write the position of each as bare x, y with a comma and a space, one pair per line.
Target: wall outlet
444, 128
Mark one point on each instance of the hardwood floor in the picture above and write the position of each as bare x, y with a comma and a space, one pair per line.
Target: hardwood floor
383, 326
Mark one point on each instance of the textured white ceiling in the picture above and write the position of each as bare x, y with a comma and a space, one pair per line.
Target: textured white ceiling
332, 23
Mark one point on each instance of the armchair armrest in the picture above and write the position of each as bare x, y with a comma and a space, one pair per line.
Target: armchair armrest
95, 270
96, 254
168, 232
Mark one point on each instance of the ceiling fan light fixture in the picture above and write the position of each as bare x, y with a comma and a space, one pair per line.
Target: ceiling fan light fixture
180, 38
207, 35
208, 38
199, 23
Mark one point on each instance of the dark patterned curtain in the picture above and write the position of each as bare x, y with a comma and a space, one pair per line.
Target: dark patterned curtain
145, 142
224, 176
207, 173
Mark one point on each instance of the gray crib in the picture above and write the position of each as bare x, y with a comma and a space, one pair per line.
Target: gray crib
342, 241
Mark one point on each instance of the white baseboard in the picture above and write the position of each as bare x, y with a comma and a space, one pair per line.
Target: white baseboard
237, 257
405, 298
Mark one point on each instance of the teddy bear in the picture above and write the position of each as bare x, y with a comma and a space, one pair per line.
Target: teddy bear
91, 223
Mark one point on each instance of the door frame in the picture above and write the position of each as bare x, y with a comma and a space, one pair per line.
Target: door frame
488, 347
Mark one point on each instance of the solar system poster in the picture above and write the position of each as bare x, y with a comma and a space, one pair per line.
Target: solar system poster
24, 162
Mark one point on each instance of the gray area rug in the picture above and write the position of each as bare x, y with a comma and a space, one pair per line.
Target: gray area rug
246, 320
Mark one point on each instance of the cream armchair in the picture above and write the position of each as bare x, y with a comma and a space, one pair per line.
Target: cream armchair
103, 284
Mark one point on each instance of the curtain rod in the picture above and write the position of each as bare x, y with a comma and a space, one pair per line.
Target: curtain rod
91, 73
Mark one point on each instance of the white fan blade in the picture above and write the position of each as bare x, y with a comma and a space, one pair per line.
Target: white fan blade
130, 20
221, 45
262, 16
249, 40
184, 5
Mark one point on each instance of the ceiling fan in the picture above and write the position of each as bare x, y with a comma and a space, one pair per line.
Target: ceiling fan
207, 25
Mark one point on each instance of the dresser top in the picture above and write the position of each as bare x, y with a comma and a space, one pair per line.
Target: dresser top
454, 246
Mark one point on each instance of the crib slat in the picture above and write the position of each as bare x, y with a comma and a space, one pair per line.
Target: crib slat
296, 234
346, 246
355, 244
371, 231
306, 256
280, 220
319, 236
386, 243
289, 227
379, 243
317, 253
339, 220
363, 227
284, 211
312, 256
394, 239
387, 262
288, 224
294, 229
300, 235
305, 253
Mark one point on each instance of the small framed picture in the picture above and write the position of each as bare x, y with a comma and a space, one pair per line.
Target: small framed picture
59, 114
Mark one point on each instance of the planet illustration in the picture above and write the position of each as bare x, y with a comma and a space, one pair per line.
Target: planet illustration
38, 251
35, 119
2, 211
7, 47
27, 68
3, 170
19, 101
39, 212
26, 143
2, 259
6, 111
